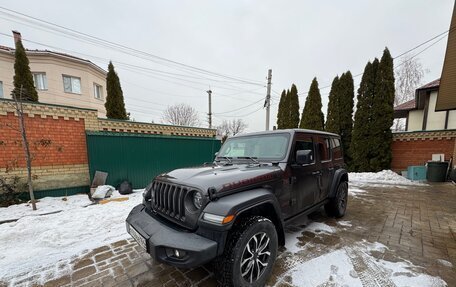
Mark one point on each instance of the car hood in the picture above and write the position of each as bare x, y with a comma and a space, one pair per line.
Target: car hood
223, 178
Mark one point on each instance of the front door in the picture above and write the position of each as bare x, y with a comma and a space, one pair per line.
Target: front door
304, 178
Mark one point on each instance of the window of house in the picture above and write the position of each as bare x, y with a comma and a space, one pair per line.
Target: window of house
1, 89
71, 84
324, 149
40, 81
336, 148
98, 91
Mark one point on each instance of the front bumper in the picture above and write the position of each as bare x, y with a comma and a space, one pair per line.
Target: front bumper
161, 240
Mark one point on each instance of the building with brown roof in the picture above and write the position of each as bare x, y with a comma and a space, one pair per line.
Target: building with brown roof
430, 130
59, 78
421, 114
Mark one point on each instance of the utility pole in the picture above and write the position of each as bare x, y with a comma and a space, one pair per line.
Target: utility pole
267, 102
209, 93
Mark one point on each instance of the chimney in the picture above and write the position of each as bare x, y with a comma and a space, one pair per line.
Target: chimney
17, 36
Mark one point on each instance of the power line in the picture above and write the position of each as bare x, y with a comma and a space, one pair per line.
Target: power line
119, 47
424, 43
145, 71
227, 112
442, 35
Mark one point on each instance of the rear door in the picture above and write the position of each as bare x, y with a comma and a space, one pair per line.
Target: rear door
304, 180
325, 166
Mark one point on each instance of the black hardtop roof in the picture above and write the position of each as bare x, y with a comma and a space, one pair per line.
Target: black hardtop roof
290, 131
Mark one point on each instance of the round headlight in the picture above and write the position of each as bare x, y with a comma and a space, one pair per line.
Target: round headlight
198, 199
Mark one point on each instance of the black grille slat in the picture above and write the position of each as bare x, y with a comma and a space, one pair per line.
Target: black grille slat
176, 201
169, 199
165, 198
181, 203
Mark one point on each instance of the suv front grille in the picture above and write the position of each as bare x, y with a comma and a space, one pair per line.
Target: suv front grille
169, 199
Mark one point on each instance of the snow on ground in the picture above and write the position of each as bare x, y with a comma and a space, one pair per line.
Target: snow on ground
344, 223
45, 205
317, 227
445, 263
59, 236
354, 191
388, 177
353, 265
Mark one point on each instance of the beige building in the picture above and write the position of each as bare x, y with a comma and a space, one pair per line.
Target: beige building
59, 78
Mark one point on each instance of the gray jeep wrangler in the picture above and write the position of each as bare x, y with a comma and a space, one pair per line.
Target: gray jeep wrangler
234, 210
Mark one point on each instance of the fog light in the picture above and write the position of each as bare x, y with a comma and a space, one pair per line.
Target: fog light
179, 253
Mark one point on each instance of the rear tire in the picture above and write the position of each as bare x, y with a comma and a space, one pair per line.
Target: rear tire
338, 205
250, 253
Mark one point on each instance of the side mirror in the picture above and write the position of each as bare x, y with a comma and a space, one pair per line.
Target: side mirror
304, 157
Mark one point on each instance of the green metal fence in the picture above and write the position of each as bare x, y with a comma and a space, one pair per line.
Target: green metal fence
140, 157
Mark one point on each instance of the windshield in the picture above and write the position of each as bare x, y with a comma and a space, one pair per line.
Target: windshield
268, 147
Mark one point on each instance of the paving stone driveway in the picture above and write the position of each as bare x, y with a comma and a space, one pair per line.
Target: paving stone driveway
416, 224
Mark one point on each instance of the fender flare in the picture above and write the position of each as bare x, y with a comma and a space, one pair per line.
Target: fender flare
240, 203
339, 176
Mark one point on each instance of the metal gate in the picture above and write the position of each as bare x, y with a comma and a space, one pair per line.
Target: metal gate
140, 157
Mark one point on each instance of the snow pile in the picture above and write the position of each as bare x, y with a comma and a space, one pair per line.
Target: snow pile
50, 238
382, 177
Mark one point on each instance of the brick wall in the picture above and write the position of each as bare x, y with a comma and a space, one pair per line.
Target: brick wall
52, 141
57, 146
57, 137
417, 148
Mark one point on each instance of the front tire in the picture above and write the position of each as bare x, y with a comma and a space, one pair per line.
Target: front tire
250, 253
337, 206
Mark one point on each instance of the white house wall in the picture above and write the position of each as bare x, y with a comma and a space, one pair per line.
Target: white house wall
415, 121
452, 120
435, 120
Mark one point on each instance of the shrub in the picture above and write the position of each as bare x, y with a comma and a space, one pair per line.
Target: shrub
10, 191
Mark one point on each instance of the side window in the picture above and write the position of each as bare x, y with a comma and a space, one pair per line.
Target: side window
305, 144
324, 149
336, 148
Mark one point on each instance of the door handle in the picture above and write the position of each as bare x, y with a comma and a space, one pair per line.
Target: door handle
316, 173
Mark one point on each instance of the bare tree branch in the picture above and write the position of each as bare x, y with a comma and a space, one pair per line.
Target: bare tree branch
181, 115
408, 78
231, 128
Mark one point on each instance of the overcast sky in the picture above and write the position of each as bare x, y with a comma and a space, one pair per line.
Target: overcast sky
298, 40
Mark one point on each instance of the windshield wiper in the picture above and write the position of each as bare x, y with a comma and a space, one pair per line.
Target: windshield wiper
254, 159
226, 157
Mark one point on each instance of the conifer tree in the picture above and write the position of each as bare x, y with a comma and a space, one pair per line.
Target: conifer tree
383, 114
362, 141
312, 117
333, 115
293, 108
346, 99
22, 76
115, 106
281, 113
